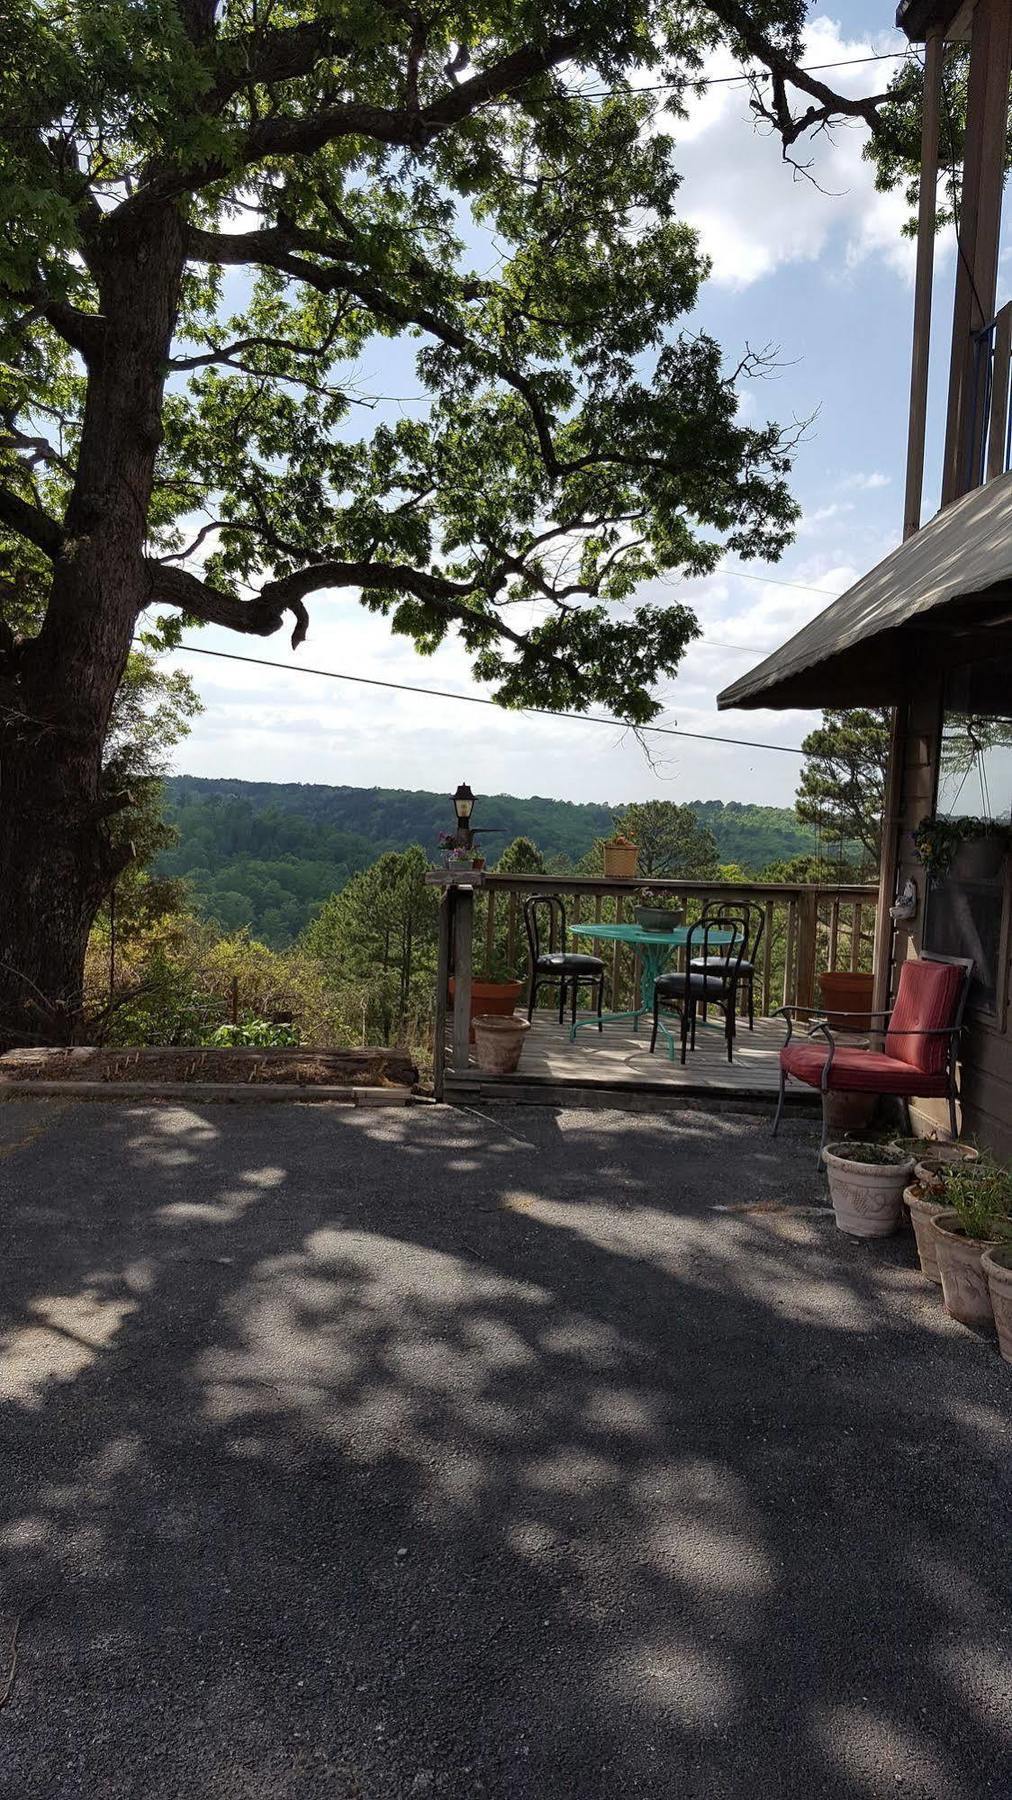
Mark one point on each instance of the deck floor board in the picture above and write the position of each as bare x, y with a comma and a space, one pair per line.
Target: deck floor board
619, 1058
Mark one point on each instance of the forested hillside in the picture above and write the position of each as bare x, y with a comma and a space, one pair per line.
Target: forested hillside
268, 854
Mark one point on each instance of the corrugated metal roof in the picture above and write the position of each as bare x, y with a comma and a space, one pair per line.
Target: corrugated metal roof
965, 551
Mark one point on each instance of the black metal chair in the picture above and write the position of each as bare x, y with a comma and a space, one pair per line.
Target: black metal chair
684, 990
754, 925
553, 962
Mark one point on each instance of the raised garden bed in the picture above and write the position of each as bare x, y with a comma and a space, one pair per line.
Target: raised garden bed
205, 1067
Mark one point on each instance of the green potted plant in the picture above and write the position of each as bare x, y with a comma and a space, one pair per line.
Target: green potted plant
976, 1219
938, 841
866, 1183
924, 1199
495, 993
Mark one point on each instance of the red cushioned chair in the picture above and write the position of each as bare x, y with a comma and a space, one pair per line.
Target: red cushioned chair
918, 1059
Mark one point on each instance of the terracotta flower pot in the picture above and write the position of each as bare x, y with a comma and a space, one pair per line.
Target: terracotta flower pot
866, 1196
490, 997
844, 992
922, 1209
964, 1283
498, 1042
997, 1266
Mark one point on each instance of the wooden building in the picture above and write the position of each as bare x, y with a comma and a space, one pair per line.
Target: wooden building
929, 631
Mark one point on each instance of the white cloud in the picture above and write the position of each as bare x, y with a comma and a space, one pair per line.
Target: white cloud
819, 516
753, 211
866, 483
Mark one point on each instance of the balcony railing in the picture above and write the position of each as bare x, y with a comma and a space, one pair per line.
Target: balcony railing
807, 930
988, 447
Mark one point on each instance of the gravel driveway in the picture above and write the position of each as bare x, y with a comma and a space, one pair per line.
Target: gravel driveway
526, 1454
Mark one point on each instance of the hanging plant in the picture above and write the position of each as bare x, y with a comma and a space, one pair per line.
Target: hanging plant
938, 840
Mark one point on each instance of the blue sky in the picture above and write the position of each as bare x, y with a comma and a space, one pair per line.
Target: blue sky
825, 276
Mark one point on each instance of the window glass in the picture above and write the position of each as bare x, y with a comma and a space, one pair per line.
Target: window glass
963, 910
975, 772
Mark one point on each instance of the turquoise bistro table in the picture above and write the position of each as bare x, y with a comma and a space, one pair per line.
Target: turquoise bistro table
655, 950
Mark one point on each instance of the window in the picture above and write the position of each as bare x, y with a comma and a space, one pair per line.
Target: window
963, 910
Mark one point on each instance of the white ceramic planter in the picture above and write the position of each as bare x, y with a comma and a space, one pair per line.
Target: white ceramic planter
866, 1196
922, 1210
997, 1267
964, 1282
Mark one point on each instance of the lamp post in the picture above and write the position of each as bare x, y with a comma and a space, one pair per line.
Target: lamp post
463, 806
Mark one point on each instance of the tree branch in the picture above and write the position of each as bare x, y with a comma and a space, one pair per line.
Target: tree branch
39, 448
263, 615
280, 135
84, 332
31, 522
787, 72
259, 617
283, 53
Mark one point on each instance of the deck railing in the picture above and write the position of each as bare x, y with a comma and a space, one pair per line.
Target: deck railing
808, 928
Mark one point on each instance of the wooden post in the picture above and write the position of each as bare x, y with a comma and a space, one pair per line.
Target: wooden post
930, 121
808, 926
791, 997
999, 392
442, 981
855, 938
463, 947
892, 820
979, 226
489, 931
767, 956
234, 999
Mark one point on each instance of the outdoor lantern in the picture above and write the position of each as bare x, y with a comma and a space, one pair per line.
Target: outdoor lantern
463, 803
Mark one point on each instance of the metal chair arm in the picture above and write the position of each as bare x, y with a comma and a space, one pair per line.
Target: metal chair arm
788, 1013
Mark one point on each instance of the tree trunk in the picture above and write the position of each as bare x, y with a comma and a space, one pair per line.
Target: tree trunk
57, 690
55, 872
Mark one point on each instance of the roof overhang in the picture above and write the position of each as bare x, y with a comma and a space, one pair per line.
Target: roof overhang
917, 18
944, 595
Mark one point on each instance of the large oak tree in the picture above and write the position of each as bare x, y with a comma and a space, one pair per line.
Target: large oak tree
213, 214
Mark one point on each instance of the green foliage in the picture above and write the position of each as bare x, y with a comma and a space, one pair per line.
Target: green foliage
377, 939
571, 440
842, 786
268, 855
896, 150
938, 840
150, 716
981, 1195
521, 857
792, 869
253, 1034
669, 839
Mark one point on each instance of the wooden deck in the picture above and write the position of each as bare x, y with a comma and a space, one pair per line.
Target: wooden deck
617, 1064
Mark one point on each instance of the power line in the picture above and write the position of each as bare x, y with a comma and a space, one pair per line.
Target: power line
543, 712
708, 81
802, 587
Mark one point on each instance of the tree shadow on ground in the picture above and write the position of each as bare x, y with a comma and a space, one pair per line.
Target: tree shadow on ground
473, 1452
